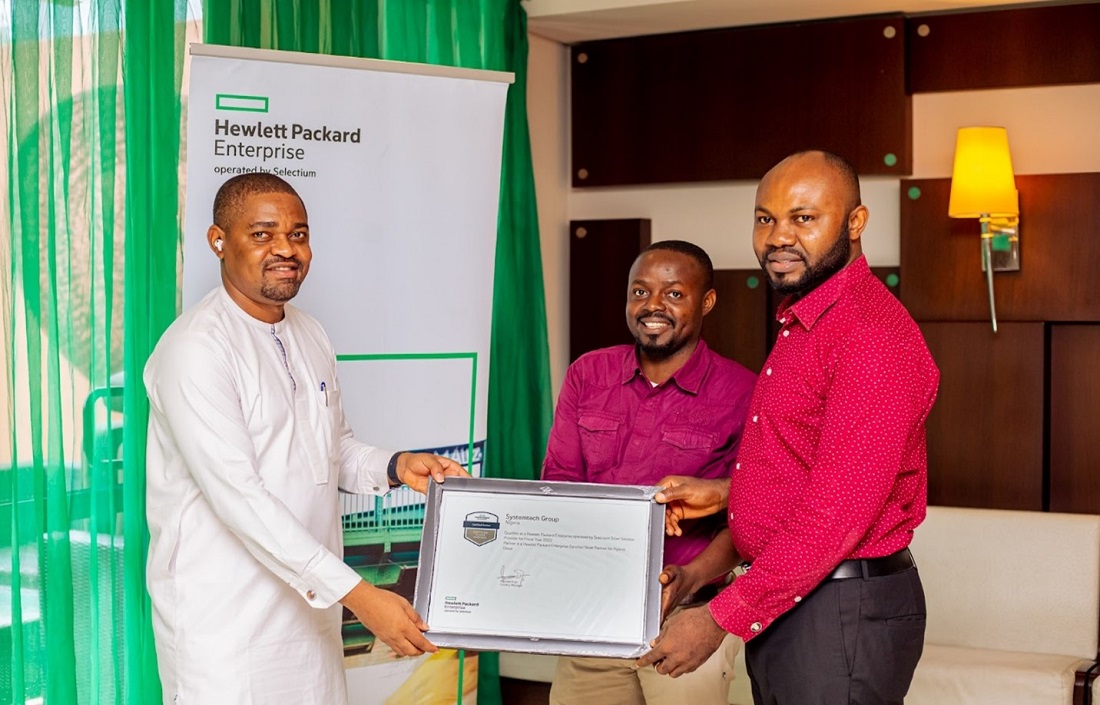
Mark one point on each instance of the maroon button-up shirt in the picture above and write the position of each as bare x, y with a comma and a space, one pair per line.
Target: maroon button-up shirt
833, 460
613, 426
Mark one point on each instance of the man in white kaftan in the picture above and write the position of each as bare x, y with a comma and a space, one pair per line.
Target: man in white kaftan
248, 448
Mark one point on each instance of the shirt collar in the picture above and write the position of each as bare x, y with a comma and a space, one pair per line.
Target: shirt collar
813, 305
688, 378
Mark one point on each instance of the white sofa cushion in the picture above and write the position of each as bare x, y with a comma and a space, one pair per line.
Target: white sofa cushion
1011, 580
965, 676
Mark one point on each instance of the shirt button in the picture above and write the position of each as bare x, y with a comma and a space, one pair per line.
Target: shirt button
769, 372
755, 419
738, 466
755, 627
797, 598
786, 333
310, 595
783, 320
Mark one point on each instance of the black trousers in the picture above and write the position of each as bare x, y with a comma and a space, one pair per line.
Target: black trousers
854, 641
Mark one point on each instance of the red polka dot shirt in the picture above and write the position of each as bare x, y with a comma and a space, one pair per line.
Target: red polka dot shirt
832, 463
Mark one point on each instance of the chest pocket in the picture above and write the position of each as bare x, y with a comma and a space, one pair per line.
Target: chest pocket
321, 410
685, 451
600, 433
331, 416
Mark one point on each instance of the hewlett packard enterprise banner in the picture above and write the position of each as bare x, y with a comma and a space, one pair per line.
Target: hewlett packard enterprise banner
399, 168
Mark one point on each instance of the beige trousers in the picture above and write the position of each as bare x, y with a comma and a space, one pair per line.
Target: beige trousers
614, 681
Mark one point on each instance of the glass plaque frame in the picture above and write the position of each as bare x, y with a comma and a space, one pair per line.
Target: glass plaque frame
541, 567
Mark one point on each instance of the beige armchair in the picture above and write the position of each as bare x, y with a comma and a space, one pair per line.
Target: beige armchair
1013, 605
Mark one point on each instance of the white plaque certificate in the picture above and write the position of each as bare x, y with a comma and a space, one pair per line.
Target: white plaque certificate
547, 567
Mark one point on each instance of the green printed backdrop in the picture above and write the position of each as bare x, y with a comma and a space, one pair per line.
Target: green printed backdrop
92, 98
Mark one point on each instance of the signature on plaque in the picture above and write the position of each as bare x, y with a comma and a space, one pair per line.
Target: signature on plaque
514, 578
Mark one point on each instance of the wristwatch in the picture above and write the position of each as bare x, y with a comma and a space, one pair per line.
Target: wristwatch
391, 470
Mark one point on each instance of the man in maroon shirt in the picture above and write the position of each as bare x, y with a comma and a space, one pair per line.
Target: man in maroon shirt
831, 477
633, 414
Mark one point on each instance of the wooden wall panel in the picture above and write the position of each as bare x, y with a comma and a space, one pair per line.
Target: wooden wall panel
600, 255
737, 327
730, 103
1007, 48
1074, 411
985, 433
941, 270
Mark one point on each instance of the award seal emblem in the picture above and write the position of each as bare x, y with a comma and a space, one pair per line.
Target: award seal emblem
481, 528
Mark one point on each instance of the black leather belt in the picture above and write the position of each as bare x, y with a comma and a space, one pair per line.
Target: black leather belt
873, 567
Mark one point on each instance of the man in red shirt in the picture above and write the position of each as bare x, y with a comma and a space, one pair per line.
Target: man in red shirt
831, 477
633, 414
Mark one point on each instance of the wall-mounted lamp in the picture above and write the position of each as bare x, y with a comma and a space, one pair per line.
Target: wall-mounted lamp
984, 187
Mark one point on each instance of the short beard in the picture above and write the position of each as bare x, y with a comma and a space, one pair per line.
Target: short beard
655, 351
659, 352
816, 274
281, 292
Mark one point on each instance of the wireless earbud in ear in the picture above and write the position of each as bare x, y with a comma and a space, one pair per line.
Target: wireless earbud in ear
218, 244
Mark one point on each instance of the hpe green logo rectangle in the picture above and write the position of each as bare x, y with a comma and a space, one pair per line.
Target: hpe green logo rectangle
242, 103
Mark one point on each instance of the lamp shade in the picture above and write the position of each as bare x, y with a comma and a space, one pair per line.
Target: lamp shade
982, 182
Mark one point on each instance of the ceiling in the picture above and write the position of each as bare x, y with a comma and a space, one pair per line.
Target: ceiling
571, 21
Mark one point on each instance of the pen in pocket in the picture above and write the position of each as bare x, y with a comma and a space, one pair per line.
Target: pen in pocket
324, 390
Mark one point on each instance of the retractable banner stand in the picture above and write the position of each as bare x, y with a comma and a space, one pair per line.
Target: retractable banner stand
399, 168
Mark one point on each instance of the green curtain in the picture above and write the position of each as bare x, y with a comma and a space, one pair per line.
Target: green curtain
88, 242
153, 75
478, 34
